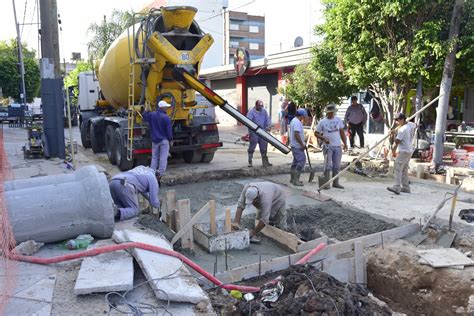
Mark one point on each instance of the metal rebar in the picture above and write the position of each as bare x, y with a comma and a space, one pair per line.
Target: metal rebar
259, 265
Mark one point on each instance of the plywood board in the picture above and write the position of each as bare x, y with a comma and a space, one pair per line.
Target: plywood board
312, 244
289, 240
440, 258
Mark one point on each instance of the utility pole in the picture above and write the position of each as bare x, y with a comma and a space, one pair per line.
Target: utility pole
20, 57
51, 82
446, 83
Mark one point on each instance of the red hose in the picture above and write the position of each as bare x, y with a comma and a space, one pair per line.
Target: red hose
310, 254
139, 245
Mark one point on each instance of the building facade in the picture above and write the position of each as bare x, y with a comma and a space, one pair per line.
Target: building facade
243, 30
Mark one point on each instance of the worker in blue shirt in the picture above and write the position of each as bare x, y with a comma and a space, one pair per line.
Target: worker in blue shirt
161, 136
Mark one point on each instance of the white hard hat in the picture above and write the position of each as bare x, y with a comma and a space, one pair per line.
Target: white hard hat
163, 104
250, 195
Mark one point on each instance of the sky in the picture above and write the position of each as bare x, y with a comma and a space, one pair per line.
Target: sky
283, 22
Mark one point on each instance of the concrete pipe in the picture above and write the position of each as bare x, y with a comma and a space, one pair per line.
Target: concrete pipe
61, 207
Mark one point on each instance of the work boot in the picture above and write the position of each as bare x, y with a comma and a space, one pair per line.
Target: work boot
405, 190
250, 160
394, 190
292, 174
265, 161
335, 183
296, 180
326, 177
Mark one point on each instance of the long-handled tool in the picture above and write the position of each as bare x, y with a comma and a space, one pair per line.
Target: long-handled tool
311, 171
378, 143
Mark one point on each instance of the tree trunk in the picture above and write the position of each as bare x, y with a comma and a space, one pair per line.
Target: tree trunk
446, 82
419, 99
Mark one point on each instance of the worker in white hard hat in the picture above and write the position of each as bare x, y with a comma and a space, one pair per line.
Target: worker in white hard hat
270, 202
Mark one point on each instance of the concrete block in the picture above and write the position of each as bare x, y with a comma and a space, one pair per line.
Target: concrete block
171, 279
41, 291
107, 272
468, 185
239, 239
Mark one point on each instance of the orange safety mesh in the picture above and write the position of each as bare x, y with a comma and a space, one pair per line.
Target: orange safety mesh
7, 240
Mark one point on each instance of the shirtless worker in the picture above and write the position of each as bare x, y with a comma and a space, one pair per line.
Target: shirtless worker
270, 202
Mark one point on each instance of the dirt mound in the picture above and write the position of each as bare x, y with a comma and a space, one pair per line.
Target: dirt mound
308, 291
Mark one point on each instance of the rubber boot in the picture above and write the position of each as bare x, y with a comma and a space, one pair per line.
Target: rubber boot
327, 177
335, 183
250, 159
265, 161
292, 173
297, 181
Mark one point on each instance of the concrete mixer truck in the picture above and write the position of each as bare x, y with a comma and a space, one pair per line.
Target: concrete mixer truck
158, 58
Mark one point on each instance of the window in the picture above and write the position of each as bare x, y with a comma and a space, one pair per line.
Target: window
234, 44
253, 46
253, 29
231, 60
234, 27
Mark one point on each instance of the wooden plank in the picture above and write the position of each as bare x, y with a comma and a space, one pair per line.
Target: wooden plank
339, 268
359, 262
189, 224
317, 196
212, 217
170, 207
184, 212
311, 244
289, 240
228, 226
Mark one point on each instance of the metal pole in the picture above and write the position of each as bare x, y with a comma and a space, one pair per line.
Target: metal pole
71, 142
20, 56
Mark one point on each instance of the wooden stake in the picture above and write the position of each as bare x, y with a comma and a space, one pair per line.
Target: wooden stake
189, 224
170, 207
184, 212
212, 214
228, 227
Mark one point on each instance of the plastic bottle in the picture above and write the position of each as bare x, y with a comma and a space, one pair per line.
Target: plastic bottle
81, 242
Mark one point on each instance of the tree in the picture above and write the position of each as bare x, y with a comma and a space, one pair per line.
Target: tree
386, 46
318, 83
10, 79
71, 80
106, 32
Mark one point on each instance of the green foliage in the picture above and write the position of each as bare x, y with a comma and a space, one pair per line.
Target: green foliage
464, 74
10, 79
71, 80
106, 32
318, 83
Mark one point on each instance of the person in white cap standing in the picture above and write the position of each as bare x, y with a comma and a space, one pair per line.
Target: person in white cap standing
270, 202
331, 131
161, 136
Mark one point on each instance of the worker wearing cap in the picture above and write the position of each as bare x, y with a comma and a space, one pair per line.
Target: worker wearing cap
161, 136
125, 187
259, 116
331, 131
404, 143
298, 146
270, 201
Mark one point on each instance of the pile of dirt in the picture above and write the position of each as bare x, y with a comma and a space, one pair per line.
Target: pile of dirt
334, 221
308, 291
371, 168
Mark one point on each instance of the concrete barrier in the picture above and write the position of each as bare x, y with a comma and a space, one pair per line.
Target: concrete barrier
54, 208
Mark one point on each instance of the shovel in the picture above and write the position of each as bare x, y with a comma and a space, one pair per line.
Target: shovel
311, 171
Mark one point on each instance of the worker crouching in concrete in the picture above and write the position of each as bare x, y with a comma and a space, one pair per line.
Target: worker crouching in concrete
331, 131
259, 116
298, 147
126, 186
269, 200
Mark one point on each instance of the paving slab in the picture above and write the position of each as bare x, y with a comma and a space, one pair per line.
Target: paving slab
439, 258
172, 280
107, 272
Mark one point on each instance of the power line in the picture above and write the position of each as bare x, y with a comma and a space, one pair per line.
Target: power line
224, 11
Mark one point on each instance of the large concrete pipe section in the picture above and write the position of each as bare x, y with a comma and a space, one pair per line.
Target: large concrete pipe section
55, 208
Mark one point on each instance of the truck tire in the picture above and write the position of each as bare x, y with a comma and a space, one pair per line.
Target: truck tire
109, 143
86, 142
207, 157
191, 156
120, 151
97, 144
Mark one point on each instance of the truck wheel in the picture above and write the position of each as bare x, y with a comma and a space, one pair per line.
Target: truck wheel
109, 143
192, 156
97, 144
207, 157
120, 151
86, 142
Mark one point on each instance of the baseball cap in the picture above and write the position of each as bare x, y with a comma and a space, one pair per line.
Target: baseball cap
330, 108
399, 116
163, 104
301, 112
250, 195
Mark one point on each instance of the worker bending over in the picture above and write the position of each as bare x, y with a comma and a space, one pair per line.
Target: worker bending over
126, 186
269, 200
